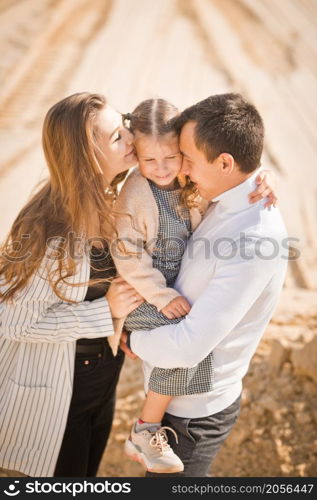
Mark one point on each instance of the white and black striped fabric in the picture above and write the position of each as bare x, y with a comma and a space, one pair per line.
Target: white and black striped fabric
38, 334
174, 232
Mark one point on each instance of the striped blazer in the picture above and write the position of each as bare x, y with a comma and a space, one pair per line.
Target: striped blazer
38, 334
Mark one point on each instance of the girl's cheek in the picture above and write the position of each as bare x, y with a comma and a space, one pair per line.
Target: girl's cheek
142, 168
178, 165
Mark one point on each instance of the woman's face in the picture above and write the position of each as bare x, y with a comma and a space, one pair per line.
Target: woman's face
116, 151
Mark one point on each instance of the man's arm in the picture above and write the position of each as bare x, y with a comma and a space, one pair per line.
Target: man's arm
235, 286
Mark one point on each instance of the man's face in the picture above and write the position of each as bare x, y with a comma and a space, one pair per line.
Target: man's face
208, 176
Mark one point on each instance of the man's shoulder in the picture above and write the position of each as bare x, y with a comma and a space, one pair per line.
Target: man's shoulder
260, 233
260, 222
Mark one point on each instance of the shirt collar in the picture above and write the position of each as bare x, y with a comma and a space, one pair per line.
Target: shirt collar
236, 199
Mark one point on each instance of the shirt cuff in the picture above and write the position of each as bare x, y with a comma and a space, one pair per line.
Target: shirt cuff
128, 342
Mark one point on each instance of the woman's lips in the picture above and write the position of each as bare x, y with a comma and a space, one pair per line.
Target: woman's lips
131, 153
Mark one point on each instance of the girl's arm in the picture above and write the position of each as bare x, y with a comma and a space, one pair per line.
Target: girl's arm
147, 317
134, 223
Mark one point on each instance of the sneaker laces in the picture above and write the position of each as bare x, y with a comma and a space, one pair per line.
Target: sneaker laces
160, 440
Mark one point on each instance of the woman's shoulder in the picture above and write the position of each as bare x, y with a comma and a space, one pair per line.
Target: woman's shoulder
40, 286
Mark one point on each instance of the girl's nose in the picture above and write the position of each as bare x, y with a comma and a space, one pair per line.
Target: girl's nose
162, 166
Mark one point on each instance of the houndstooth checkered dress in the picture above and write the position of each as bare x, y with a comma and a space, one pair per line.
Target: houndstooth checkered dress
173, 234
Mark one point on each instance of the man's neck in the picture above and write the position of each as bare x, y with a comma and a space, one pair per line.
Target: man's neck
236, 178
236, 198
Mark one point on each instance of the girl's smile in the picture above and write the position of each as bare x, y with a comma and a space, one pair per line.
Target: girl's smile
159, 158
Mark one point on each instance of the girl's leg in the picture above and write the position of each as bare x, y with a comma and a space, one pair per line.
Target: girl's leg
154, 407
148, 442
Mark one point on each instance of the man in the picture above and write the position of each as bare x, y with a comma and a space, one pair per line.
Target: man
232, 272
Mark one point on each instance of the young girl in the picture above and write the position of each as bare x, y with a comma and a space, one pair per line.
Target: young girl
157, 210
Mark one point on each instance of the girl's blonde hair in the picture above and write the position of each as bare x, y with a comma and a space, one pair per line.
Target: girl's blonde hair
63, 206
158, 117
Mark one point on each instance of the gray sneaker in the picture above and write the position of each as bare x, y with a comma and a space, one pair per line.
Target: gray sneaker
151, 449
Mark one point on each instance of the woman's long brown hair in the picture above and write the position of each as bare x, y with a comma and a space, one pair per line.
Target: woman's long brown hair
58, 216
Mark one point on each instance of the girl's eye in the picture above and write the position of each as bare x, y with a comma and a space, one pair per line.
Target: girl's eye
148, 159
171, 157
118, 137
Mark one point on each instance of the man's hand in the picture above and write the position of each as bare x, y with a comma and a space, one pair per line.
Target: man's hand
125, 348
176, 308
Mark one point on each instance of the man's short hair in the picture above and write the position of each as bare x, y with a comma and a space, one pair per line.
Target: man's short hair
227, 123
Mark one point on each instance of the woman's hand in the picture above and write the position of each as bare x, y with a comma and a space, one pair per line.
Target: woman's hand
176, 308
124, 346
122, 298
266, 181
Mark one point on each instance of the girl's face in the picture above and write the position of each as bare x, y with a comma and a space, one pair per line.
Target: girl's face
159, 158
115, 142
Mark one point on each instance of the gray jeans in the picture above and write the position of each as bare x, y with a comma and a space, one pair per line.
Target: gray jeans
199, 439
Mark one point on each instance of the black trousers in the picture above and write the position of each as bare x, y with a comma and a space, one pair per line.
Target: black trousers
90, 414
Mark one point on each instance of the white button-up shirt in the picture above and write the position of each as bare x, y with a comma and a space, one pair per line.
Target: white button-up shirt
232, 273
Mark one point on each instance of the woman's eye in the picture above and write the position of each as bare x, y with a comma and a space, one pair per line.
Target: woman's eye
117, 138
148, 160
171, 157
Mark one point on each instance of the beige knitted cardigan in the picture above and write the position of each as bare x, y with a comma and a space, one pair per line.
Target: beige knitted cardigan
137, 224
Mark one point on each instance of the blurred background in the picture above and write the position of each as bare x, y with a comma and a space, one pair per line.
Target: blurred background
184, 51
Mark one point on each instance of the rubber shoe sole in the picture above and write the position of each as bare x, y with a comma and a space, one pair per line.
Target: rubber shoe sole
137, 456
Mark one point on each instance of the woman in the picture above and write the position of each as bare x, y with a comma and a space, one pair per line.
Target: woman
57, 372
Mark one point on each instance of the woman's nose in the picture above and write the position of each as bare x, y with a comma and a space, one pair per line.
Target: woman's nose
129, 137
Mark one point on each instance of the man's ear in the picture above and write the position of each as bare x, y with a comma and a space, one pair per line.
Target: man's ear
226, 163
